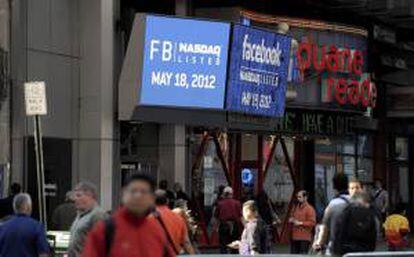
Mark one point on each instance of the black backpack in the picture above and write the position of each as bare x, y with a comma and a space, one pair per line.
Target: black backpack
355, 230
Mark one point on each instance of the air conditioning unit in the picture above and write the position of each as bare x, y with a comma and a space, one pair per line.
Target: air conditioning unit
381, 5
404, 12
352, 2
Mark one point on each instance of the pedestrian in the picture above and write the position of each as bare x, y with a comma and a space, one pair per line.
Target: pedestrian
6, 204
354, 186
130, 232
179, 193
356, 228
255, 238
192, 227
219, 196
303, 221
332, 211
88, 213
381, 199
170, 194
396, 228
228, 214
266, 210
22, 236
174, 225
64, 215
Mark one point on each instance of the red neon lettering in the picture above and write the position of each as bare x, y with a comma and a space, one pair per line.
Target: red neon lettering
365, 93
358, 62
304, 56
374, 94
318, 65
353, 92
330, 89
340, 91
346, 60
332, 59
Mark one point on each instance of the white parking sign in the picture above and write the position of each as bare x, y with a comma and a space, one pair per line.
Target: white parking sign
35, 98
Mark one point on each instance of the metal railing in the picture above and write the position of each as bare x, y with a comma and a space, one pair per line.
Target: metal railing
380, 254
371, 254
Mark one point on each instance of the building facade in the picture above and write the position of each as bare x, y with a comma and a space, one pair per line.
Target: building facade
78, 49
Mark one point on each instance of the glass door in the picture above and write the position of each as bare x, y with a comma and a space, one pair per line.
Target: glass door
279, 179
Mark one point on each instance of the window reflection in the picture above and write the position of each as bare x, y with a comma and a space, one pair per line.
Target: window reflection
401, 149
278, 183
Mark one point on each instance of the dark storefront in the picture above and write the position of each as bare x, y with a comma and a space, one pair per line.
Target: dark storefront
325, 129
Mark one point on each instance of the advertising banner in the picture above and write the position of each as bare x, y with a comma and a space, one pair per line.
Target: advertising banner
185, 63
258, 71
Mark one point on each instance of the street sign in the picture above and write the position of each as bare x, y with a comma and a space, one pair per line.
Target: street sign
35, 98
258, 71
184, 63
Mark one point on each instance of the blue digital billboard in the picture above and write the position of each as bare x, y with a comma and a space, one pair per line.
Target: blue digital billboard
258, 71
185, 63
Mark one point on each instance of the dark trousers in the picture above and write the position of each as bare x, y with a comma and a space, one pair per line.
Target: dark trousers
228, 232
299, 247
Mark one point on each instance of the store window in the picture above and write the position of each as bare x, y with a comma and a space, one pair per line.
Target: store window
278, 182
365, 159
399, 184
352, 156
208, 173
325, 168
213, 174
401, 148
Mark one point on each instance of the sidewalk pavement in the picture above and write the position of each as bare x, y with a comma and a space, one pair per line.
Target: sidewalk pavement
285, 248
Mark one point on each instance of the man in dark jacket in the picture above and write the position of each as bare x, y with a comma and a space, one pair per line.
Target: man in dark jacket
228, 212
22, 236
6, 204
170, 195
64, 215
356, 227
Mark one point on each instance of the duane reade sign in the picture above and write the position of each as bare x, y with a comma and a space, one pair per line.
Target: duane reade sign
35, 98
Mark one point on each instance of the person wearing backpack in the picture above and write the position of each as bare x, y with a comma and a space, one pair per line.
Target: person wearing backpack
131, 231
356, 229
345, 190
255, 238
332, 211
303, 220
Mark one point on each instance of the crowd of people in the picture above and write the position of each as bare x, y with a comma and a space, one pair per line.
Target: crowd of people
355, 220
150, 222
155, 222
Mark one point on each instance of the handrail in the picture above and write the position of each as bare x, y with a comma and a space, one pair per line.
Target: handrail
380, 254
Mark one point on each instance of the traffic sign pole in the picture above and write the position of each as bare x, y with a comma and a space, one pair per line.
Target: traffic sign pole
35, 98
40, 169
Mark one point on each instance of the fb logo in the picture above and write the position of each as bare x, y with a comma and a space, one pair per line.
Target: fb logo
165, 47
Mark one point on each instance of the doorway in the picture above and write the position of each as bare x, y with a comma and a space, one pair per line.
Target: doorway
252, 164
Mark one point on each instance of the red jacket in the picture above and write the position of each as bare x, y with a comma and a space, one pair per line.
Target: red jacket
133, 237
229, 209
304, 213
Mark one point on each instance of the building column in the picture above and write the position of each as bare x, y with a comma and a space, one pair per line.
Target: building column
172, 147
94, 147
183, 8
172, 154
